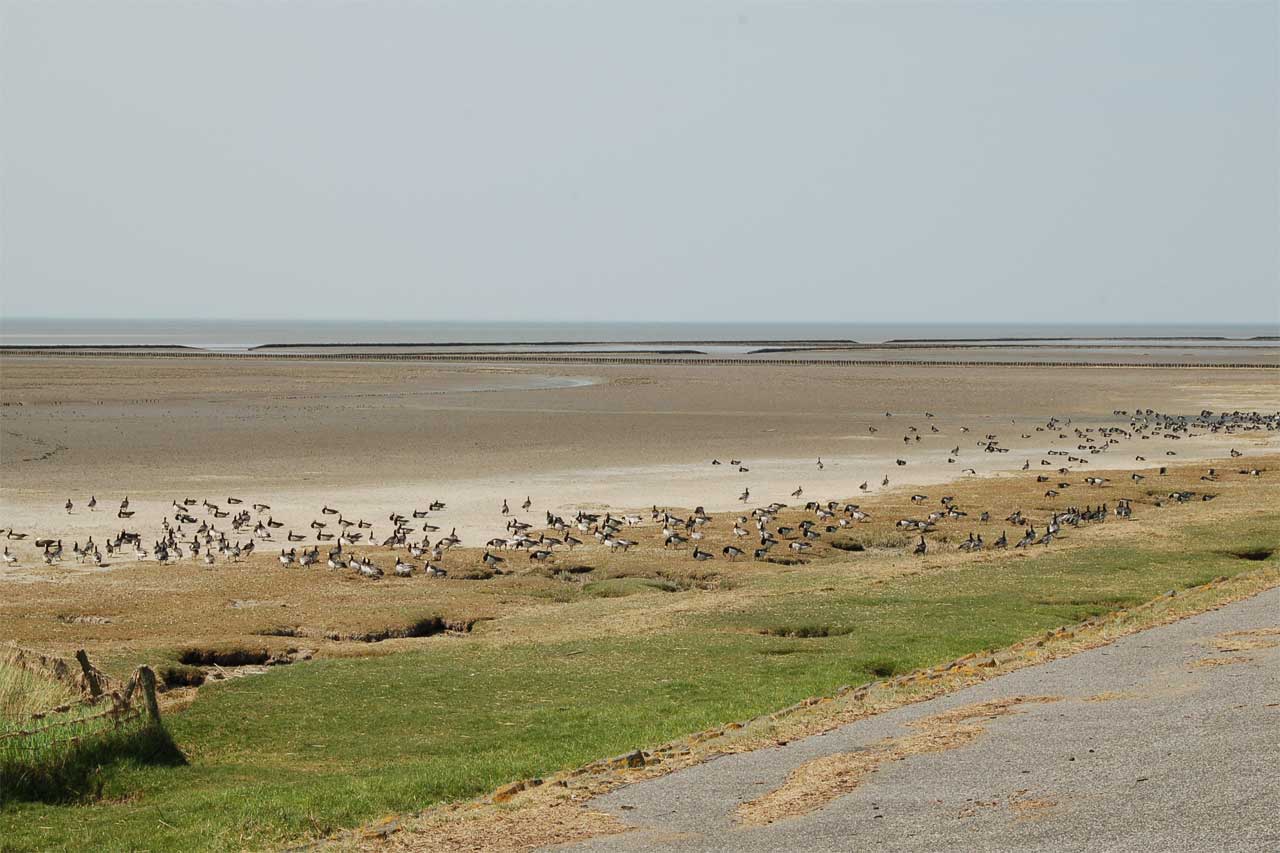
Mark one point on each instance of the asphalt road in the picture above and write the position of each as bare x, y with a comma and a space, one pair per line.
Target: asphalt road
1149, 748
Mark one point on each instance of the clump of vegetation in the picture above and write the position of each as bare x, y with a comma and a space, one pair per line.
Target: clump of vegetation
807, 631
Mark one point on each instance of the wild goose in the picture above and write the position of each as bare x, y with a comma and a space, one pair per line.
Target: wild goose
69, 506
491, 561
731, 552
11, 559
93, 503
404, 569
261, 507
699, 554
528, 502
234, 501
920, 548
295, 537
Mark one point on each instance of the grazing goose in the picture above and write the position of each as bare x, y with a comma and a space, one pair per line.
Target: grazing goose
491, 561
699, 554
731, 552
920, 548
11, 559
234, 501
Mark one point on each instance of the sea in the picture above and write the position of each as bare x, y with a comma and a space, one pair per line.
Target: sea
234, 334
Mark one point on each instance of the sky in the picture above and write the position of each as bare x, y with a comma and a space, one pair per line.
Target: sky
698, 160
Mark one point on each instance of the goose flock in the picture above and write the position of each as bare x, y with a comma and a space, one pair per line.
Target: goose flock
208, 532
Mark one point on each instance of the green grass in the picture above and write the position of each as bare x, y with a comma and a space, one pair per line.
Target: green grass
314, 747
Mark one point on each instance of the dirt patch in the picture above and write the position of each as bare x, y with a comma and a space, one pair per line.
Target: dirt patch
848, 545
76, 619
815, 783
181, 676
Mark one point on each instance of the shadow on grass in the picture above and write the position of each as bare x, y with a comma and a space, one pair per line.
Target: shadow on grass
75, 772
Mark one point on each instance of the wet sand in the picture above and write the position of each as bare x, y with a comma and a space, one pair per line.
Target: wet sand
377, 437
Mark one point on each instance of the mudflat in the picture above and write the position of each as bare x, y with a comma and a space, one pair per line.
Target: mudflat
374, 437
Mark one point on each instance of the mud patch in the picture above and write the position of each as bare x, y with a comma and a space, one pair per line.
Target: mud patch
1253, 554
816, 783
848, 545
224, 657
427, 627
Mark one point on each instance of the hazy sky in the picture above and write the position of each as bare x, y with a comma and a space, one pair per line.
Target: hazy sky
700, 160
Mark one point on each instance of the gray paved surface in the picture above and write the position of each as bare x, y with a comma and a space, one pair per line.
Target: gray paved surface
1204, 741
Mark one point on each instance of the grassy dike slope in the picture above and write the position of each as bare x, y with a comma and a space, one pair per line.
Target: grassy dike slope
308, 749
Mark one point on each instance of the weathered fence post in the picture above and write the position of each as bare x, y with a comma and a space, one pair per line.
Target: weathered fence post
90, 674
147, 679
